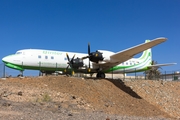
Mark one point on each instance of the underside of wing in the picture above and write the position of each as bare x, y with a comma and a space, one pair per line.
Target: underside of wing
127, 54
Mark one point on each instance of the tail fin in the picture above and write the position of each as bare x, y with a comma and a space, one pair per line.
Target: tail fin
147, 54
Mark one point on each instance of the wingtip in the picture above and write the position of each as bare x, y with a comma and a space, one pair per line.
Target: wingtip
161, 38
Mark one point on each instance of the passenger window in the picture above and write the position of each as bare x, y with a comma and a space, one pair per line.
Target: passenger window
39, 56
52, 57
46, 57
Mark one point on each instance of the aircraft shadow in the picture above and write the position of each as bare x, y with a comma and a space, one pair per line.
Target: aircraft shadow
120, 84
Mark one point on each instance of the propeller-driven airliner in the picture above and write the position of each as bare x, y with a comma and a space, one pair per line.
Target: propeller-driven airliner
100, 61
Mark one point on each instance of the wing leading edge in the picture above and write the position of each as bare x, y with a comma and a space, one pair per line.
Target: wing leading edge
127, 54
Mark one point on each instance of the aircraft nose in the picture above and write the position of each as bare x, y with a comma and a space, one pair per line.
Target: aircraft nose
5, 59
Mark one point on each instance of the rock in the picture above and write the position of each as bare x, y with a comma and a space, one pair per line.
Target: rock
70, 114
6, 104
73, 97
20, 93
6, 94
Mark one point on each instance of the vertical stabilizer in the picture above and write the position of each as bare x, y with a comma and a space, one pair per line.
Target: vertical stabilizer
147, 54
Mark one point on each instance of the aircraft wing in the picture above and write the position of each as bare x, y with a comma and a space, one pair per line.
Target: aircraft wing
127, 54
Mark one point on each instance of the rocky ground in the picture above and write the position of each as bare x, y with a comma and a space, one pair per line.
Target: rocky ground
61, 97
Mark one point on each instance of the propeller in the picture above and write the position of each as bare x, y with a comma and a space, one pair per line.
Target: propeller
74, 63
93, 56
70, 63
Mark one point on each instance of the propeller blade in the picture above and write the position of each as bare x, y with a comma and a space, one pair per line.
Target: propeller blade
89, 51
72, 59
72, 72
89, 69
68, 57
89, 63
84, 57
66, 68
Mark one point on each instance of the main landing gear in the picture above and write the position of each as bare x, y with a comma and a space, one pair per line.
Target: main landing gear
100, 75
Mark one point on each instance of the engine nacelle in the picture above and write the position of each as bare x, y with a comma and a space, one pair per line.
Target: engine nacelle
106, 59
106, 55
76, 63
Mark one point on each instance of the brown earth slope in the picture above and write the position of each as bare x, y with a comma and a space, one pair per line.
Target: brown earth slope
129, 98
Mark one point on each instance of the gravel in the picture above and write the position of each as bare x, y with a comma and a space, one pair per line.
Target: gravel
66, 98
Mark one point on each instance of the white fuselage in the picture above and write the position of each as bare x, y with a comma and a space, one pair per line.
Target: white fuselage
45, 59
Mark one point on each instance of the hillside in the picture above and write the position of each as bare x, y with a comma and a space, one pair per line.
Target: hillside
61, 97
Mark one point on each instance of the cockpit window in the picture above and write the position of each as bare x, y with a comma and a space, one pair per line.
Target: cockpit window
18, 52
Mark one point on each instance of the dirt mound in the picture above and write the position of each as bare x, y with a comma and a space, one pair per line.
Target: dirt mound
128, 98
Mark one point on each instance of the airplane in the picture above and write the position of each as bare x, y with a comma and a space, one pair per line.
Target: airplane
100, 61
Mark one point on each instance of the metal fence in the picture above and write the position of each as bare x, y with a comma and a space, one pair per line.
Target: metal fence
165, 75
170, 75
2, 70
8, 72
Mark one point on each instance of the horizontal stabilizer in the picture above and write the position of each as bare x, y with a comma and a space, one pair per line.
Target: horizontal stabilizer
159, 65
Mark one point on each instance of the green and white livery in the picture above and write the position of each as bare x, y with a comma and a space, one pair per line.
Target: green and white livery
100, 62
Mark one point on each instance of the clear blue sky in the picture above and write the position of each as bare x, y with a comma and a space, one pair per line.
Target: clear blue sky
107, 24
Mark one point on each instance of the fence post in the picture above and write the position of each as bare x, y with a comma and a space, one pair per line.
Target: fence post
174, 76
40, 74
4, 70
22, 67
135, 74
56, 70
124, 74
112, 72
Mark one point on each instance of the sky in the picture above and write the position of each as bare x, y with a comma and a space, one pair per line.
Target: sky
69, 25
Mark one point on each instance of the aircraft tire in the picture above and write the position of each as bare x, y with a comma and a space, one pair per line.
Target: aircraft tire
100, 75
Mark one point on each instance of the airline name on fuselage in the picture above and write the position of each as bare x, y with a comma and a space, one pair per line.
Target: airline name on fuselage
52, 52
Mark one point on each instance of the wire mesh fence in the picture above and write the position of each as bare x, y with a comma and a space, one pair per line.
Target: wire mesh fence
170, 75
135, 75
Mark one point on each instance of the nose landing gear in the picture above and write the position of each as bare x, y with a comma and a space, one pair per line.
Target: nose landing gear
21, 74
